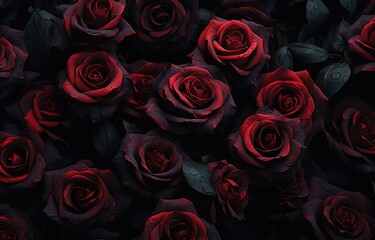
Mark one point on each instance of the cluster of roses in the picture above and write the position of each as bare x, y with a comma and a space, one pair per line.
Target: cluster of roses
157, 119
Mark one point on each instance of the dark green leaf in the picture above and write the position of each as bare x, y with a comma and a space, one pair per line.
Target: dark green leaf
205, 17
349, 5
338, 42
106, 139
332, 78
317, 13
130, 127
308, 53
282, 57
198, 177
38, 38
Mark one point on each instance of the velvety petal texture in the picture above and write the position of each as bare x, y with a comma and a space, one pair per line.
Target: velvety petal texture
94, 82
96, 21
191, 98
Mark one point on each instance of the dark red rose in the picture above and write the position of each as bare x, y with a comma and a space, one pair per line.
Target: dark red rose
150, 164
191, 98
177, 219
358, 127
14, 225
291, 189
231, 184
96, 20
164, 24
43, 112
364, 43
21, 160
252, 11
141, 76
268, 142
352, 133
81, 195
361, 43
293, 94
242, 45
12, 61
342, 215
94, 83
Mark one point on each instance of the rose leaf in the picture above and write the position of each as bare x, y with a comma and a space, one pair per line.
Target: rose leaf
205, 17
316, 13
131, 128
349, 5
308, 53
106, 139
338, 42
333, 77
37, 36
282, 57
198, 177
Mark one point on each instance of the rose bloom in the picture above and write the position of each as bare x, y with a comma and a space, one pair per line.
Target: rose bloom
21, 160
150, 164
291, 189
342, 215
231, 184
252, 11
141, 75
242, 45
43, 112
12, 61
269, 142
191, 98
363, 44
293, 94
14, 225
352, 133
80, 195
96, 20
94, 83
164, 24
177, 219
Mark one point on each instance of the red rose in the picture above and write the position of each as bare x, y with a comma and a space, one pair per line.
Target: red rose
82, 195
96, 20
150, 164
352, 133
12, 61
164, 24
14, 225
361, 43
231, 184
252, 11
21, 160
341, 215
291, 189
141, 76
358, 127
268, 142
242, 45
43, 112
177, 219
364, 43
293, 94
94, 83
192, 98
